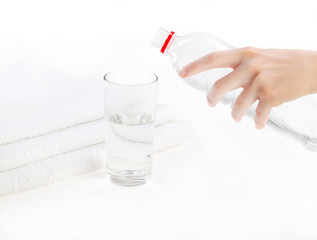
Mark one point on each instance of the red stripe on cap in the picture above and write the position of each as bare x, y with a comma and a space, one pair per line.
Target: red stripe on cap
168, 39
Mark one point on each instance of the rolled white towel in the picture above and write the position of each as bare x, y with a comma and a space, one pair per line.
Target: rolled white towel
66, 165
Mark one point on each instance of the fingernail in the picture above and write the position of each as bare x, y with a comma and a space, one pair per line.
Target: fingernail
211, 104
182, 72
235, 117
258, 126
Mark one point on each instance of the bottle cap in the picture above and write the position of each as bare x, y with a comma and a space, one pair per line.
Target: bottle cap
161, 39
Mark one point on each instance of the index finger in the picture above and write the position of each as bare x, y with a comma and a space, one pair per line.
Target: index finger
222, 59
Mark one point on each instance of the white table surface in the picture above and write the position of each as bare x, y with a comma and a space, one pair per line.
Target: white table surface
229, 181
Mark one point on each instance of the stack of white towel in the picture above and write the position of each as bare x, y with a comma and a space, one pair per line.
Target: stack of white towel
52, 126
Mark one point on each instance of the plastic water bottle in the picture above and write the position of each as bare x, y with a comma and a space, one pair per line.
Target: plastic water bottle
297, 118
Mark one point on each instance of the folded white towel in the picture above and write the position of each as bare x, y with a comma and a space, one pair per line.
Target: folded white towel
52, 126
36, 99
52, 169
63, 166
23, 152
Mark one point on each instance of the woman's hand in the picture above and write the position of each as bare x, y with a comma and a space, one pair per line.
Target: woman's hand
272, 76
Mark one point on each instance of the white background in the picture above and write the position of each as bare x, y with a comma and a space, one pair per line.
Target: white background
229, 181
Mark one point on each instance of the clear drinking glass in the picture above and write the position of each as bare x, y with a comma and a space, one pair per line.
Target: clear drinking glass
130, 100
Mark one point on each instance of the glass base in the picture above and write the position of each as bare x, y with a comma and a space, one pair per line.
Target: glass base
129, 178
129, 182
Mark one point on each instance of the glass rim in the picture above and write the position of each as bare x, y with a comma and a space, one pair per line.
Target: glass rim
132, 70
